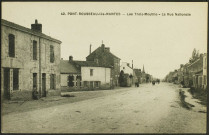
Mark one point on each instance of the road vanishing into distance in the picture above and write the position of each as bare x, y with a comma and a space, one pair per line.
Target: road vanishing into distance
144, 109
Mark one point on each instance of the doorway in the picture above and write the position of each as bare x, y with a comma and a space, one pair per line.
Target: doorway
7, 83
70, 81
44, 84
91, 85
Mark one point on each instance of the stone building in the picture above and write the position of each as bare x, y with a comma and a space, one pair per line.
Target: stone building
30, 60
84, 75
105, 58
196, 71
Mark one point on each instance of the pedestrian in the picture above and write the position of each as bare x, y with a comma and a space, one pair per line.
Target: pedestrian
35, 92
153, 82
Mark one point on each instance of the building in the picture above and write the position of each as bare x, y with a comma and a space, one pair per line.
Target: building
70, 74
105, 58
180, 74
187, 77
96, 77
128, 71
138, 75
30, 60
196, 71
205, 71
84, 75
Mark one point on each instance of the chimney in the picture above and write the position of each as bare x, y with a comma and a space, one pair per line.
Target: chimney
70, 58
36, 27
132, 64
103, 47
90, 49
107, 48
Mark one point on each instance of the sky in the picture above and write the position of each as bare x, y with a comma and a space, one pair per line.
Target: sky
160, 43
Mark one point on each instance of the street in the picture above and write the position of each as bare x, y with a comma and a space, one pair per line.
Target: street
144, 109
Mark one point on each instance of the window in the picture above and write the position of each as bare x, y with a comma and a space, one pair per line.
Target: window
96, 84
91, 72
51, 54
205, 79
205, 63
15, 79
34, 50
11, 45
52, 81
85, 83
35, 81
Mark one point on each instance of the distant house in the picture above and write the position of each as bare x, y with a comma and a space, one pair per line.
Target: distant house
196, 71
128, 72
138, 75
127, 69
84, 75
181, 75
105, 58
30, 60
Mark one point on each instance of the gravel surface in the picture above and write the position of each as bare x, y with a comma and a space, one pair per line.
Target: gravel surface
147, 109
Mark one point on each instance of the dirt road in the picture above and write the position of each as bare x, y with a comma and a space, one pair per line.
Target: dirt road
147, 109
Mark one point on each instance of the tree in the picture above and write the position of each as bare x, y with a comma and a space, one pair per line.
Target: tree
195, 55
121, 79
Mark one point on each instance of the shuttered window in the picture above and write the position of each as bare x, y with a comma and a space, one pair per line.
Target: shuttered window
51, 54
11, 45
91, 72
52, 81
34, 50
15, 79
35, 81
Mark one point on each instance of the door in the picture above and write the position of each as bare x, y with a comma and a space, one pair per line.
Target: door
44, 84
91, 85
7, 83
70, 81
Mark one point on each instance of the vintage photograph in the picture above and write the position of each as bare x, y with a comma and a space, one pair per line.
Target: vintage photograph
104, 67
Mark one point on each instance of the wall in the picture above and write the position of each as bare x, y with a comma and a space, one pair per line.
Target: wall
99, 74
64, 78
23, 60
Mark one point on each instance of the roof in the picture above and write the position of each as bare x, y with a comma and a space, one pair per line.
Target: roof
68, 67
27, 30
74, 67
85, 63
107, 52
199, 72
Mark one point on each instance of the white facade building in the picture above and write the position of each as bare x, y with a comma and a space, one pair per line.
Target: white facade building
96, 77
126, 68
